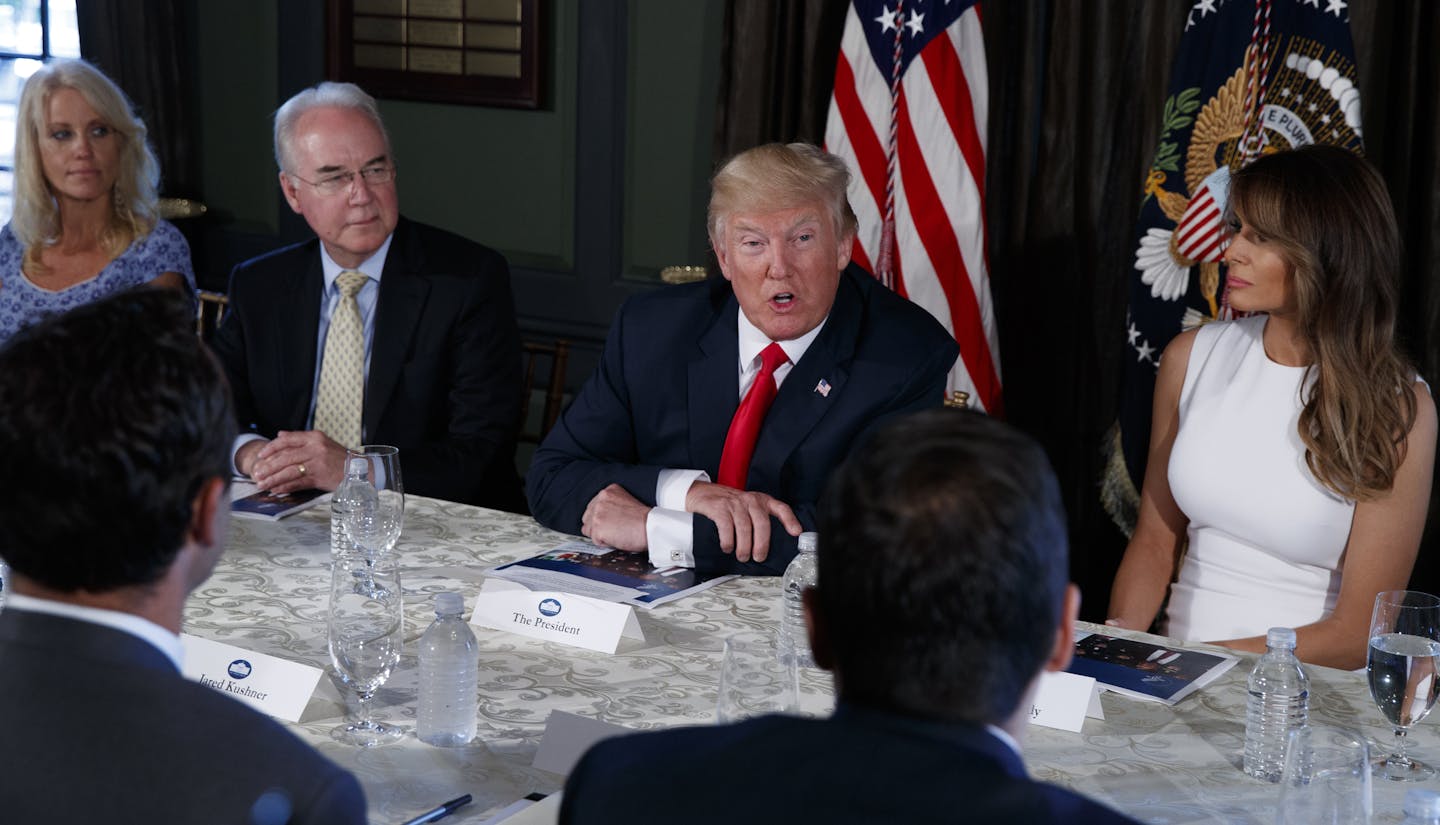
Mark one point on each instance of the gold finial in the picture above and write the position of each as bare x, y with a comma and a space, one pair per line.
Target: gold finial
682, 274
959, 399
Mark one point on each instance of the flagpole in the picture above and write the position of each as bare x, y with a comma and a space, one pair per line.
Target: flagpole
885, 267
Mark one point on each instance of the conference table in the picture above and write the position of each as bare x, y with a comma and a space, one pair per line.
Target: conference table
269, 592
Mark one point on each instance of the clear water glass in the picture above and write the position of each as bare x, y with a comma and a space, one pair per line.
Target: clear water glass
374, 532
366, 631
1326, 780
1404, 654
754, 679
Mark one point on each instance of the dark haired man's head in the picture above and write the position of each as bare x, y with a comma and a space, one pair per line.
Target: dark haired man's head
943, 569
114, 421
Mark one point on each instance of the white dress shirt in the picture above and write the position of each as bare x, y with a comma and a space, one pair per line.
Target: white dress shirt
668, 527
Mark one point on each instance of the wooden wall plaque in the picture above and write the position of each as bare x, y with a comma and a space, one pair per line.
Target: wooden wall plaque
484, 52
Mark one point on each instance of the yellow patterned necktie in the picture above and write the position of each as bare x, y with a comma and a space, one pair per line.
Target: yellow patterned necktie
341, 395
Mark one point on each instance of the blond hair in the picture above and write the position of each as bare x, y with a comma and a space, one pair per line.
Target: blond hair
780, 176
36, 217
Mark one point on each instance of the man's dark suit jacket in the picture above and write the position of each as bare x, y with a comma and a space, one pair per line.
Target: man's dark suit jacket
667, 387
860, 766
96, 725
444, 380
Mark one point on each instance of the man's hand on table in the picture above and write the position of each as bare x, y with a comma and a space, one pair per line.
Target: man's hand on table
741, 518
614, 518
293, 461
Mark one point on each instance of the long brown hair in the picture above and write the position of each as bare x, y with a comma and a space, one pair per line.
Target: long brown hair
1328, 212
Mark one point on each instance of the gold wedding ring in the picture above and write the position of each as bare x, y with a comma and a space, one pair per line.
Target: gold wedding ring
302, 469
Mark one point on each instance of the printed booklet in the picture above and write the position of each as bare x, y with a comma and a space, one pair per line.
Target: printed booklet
585, 569
1146, 671
245, 502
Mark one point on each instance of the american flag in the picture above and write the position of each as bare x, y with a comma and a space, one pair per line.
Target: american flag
908, 115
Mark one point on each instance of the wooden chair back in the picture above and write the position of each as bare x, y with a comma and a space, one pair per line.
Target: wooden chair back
557, 352
210, 310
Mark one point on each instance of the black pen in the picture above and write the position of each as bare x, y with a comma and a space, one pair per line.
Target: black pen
440, 812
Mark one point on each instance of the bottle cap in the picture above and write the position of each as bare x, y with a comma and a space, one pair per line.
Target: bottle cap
809, 542
1280, 638
449, 604
1422, 803
358, 467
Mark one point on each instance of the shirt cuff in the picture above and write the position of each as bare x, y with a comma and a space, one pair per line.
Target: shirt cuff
672, 485
240, 441
670, 536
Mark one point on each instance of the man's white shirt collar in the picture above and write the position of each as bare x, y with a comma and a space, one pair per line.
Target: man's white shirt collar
752, 340
167, 642
371, 266
1005, 737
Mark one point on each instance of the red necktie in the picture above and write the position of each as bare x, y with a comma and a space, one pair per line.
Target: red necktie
745, 426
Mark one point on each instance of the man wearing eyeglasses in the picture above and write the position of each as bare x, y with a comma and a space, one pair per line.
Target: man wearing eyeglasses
380, 330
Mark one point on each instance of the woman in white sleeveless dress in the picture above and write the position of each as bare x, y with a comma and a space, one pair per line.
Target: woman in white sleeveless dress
1293, 449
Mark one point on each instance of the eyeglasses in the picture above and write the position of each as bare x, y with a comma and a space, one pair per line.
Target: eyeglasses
342, 181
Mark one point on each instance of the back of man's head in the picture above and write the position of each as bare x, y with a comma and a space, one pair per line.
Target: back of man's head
111, 418
943, 567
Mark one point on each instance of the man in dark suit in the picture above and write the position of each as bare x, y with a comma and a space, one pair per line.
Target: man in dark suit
941, 598
681, 445
116, 428
379, 330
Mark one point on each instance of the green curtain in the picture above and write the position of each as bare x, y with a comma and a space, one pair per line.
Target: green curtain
141, 45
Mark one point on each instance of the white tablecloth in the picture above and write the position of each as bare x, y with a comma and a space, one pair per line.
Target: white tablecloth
269, 593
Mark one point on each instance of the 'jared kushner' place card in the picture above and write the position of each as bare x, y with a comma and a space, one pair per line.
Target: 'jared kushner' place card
278, 687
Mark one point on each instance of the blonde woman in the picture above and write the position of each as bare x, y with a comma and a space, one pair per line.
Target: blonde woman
1294, 448
85, 223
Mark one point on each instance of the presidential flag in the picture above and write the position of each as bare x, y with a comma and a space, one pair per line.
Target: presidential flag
908, 115
1250, 77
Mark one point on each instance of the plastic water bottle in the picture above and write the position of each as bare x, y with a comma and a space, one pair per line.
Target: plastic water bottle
1279, 703
799, 575
353, 494
449, 676
1422, 807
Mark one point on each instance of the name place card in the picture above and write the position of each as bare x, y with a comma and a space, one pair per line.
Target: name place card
554, 617
278, 687
567, 737
1063, 700
525, 812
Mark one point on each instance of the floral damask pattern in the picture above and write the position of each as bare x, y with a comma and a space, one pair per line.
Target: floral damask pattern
1157, 763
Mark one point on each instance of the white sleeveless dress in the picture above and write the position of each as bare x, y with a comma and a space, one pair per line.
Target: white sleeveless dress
1265, 537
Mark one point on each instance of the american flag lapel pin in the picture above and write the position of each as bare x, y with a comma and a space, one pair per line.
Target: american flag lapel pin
823, 388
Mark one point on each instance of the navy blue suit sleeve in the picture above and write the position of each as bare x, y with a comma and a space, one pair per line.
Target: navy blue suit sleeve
709, 558
592, 446
339, 801
577, 788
